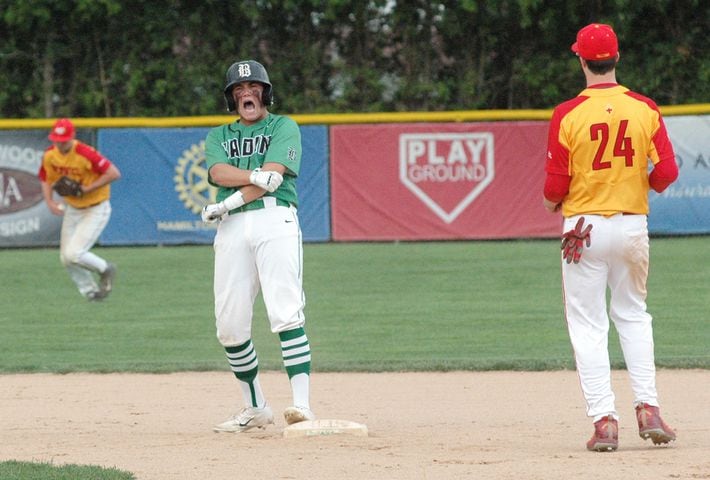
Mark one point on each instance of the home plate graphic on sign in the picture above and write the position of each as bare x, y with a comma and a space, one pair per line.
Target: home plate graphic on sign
446, 171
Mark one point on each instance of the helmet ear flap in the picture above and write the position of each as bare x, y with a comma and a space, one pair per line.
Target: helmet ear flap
267, 96
231, 106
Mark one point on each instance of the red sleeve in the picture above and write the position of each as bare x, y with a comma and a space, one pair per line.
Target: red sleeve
99, 163
557, 165
558, 154
664, 173
556, 187
662, 142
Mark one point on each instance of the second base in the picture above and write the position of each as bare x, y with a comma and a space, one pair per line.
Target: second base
315, 428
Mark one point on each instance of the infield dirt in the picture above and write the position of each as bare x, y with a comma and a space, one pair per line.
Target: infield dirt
456, 425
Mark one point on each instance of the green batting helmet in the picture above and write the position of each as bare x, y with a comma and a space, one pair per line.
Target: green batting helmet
247, 71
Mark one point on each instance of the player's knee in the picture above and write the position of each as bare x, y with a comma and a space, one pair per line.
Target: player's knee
70, 257
230, 338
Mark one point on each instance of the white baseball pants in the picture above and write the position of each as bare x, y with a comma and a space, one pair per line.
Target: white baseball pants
81, 229
618, 258
258, 250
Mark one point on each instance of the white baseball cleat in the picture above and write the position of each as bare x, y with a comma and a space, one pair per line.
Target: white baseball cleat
247, 419
298, 414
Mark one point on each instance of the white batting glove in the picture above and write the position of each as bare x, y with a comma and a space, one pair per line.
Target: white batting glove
214, 211
267, 180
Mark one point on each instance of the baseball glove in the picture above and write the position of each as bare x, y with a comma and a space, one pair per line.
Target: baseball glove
66, 186
573, 241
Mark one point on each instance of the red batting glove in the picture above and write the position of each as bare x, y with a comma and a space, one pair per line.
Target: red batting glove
573, 241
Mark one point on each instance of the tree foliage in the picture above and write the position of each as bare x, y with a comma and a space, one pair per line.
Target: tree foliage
108, 58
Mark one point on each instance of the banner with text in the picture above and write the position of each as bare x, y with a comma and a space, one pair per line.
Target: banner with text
684, 207
164, 186
390, 182
440, 181
25, 220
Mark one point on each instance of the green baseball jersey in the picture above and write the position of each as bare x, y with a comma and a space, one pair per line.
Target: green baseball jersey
275, 139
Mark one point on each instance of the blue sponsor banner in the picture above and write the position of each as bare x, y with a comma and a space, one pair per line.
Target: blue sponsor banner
684, 207
313, 184
164, 186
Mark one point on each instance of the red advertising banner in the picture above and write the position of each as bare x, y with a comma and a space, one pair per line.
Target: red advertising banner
439, 181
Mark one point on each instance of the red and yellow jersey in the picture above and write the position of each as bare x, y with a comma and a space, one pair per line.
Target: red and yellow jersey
603, 140
83, 164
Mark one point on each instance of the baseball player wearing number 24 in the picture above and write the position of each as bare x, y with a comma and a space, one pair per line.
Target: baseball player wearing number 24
254, 162
86, 211
599, 147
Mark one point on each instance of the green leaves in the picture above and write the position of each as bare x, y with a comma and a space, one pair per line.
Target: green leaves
132, 58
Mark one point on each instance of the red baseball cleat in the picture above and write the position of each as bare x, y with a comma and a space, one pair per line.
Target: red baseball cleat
652, 426
606, 435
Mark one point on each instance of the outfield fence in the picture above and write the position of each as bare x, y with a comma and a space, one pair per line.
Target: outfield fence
365, 177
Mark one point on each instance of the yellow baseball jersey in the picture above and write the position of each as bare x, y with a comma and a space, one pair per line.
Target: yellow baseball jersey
83, 164
603, 140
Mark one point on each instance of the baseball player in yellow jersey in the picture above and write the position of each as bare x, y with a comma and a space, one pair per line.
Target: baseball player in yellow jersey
600, 146
86, 211
254, 162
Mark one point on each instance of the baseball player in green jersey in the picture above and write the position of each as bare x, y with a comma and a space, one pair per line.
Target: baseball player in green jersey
254, 162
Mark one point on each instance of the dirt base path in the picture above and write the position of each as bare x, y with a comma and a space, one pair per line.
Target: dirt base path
491, 425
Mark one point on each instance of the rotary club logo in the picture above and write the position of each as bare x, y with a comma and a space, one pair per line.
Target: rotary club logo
191, 179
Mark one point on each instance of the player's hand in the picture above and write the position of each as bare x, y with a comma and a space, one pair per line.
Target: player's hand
550, 206
266, 179
574, 240
213, 212
56, 208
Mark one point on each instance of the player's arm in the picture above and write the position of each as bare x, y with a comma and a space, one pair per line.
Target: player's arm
555, 190
108, 172
261, 181
55, 207
267, 178
557, 179
665, 171
110, 175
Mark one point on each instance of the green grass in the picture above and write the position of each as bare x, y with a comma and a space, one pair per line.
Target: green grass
13, 470
370, 307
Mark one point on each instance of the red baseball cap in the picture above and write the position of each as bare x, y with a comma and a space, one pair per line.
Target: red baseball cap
596, 41
62, 131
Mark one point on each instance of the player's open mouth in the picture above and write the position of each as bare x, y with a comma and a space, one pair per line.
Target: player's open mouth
248, 106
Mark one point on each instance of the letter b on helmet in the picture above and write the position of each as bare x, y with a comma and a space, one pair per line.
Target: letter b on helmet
247, 71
